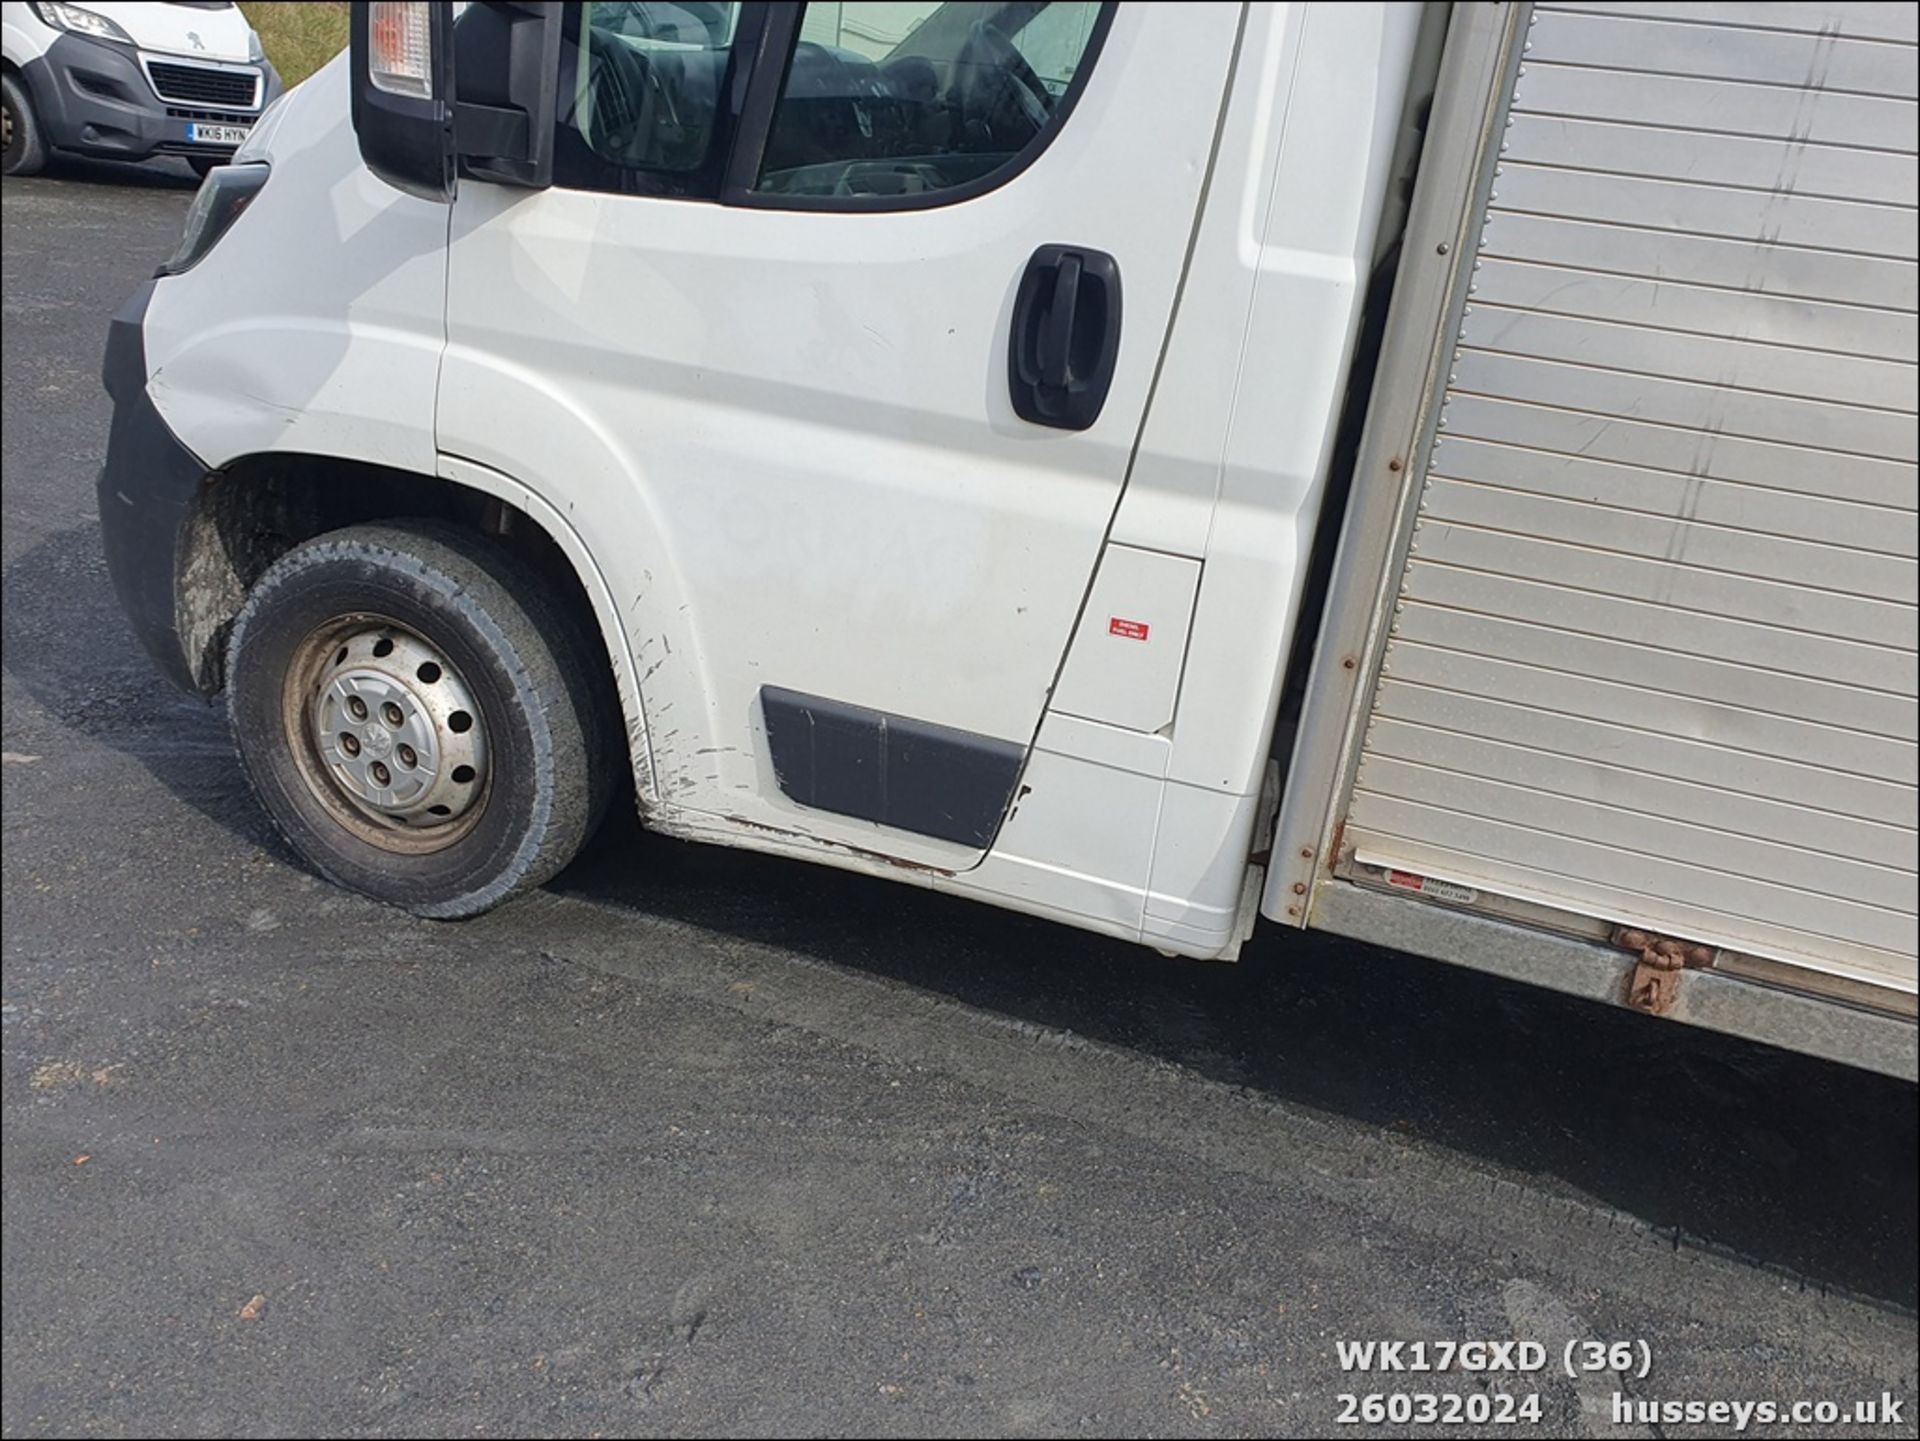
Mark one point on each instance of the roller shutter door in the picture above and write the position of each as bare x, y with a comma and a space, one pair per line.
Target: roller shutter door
1653, 655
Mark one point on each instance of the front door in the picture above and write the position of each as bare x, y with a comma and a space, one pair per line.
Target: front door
832, 342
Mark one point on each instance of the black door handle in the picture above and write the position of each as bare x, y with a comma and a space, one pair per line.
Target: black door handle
1059, 322
1065, 336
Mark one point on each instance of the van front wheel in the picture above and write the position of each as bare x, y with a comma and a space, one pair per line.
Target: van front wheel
22, 149
418, 716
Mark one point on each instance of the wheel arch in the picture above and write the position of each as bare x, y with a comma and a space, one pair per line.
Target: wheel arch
254, 509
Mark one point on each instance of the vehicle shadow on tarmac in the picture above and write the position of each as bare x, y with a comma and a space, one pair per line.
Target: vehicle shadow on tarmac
1778, 1158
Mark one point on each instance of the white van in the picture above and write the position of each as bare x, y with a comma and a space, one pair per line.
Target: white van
927, 439
128, 81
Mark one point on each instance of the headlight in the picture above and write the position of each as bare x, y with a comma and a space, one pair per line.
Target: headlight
255, 52
79, 21
226, 192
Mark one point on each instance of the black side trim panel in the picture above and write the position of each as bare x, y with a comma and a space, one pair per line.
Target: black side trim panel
147, 491
908, 774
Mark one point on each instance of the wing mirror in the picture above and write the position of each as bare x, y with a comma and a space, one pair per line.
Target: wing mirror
432, 99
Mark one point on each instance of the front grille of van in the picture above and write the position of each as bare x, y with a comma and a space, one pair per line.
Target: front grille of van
200, 85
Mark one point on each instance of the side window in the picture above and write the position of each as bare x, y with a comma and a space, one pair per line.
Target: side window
643, 85
894, 103
1054, 40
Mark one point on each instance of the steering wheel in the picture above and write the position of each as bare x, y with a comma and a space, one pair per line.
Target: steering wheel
994, 87
624, 91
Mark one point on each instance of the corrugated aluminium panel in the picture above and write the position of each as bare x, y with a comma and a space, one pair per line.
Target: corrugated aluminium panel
1835, 171
1713, 409
1584, 777
1819, 117
1653, 654
1710, 359
1868, 280
1665, 580
1610, 822
1679, 451
1604, 526
1792, 517
1650, 44
1863, 20
1786, 218
1866, 19
1606, 722
1665, 627
1490, 833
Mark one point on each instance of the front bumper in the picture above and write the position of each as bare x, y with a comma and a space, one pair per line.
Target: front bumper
148, 489
92, 98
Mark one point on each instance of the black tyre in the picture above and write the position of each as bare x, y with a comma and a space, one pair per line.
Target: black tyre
203, 165
422, 721
23, 148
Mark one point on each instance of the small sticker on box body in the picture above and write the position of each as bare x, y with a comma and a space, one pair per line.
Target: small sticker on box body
1429, 886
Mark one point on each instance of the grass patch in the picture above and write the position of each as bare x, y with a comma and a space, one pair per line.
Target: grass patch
299, 35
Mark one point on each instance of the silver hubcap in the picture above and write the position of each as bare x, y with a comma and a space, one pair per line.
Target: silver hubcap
397, 729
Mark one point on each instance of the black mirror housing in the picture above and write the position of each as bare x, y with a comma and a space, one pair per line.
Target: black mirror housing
407, 140
490, 111
508, 57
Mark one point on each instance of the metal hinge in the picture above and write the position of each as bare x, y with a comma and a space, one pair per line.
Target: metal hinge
1656, 979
